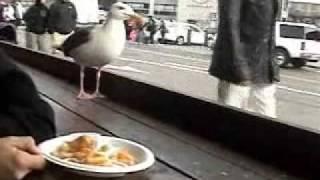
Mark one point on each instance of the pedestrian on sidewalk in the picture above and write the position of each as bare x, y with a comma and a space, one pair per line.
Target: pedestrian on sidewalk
18, 12
36, 19
242, 59
151, 27
62, 21
163, 31
7, 12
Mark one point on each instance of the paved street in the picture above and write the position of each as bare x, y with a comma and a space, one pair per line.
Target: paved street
184, 69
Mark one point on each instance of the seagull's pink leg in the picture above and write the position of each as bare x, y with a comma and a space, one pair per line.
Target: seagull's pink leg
97, 91
82, 94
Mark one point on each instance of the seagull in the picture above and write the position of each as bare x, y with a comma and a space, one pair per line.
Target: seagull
98, 46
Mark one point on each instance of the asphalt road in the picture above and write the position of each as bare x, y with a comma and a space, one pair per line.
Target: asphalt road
184, 69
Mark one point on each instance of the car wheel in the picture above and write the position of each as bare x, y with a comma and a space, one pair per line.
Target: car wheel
298, 63
281, 57
180, 41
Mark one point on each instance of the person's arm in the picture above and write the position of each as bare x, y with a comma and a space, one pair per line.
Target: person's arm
18, 157
47, 18
233, 13
74, 12
52, 19
27, 15
23, 112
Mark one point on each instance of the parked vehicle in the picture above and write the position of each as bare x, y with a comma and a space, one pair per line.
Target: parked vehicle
182, 33
296, 44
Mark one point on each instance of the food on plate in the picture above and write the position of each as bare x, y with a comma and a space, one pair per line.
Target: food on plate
85, 150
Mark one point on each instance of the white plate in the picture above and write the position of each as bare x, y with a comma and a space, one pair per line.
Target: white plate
144, 156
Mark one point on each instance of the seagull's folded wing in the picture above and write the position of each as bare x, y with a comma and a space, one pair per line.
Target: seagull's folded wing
75, 40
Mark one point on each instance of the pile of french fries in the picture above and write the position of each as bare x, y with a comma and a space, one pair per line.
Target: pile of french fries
84, 150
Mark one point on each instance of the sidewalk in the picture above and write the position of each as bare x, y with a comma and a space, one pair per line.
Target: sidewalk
203, 50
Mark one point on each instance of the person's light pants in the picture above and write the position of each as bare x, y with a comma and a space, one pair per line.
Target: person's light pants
58, 39
40, 42
263, 96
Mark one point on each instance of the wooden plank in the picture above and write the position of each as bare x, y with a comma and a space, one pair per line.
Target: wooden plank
67, 122
189, 159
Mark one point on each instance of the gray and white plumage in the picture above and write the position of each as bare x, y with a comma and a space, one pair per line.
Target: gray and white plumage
98, 46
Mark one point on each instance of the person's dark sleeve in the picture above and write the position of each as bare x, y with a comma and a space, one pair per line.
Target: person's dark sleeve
233, 13
74, 13
26, 16
46, 20
24, 113
52, 18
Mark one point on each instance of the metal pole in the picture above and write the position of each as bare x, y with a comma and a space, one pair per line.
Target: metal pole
151, 7
284, 10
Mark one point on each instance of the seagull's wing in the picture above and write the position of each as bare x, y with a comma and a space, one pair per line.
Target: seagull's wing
78, 38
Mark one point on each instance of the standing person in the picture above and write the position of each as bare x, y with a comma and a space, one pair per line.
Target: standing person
163, 30
62, 21
36, 19
242, 59
151, 27
18, 12
8, 13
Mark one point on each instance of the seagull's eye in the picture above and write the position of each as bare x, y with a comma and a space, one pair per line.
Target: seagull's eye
121, 8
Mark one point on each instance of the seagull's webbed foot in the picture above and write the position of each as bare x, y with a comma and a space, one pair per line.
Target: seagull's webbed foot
85, 96
97, 94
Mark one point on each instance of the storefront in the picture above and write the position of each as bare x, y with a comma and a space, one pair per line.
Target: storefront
306, 11
201, 12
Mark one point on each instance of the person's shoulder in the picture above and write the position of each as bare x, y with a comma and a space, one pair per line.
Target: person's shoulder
54, 5
70, 4
7, 64
43, 6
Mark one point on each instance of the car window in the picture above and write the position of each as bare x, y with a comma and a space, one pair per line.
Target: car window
288, 31
194, 29
314, 35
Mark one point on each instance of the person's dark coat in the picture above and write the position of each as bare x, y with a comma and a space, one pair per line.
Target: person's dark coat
36, 19
22, 111
62, 17
245, 42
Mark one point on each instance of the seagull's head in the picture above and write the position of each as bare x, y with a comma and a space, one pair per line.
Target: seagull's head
122, 11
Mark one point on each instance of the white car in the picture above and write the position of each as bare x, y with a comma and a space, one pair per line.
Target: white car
178, 33
296, 43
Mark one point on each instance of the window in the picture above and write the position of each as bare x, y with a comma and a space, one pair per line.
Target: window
296, 32
313, 35
194, 29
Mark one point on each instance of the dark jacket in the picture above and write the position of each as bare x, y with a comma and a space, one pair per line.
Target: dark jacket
22, 111
36, 19
63, 17
245, 42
